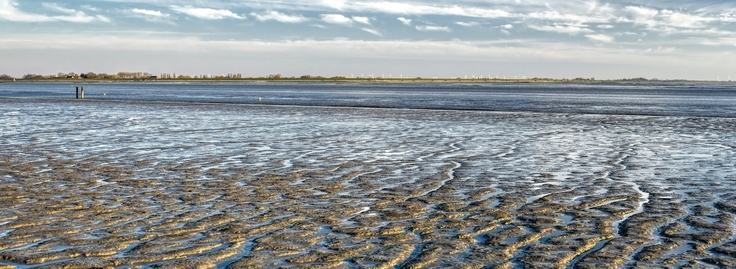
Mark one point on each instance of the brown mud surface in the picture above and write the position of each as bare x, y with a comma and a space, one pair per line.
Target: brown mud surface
136, 185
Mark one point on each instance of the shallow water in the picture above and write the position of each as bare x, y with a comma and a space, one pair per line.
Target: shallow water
684, 99
137, 183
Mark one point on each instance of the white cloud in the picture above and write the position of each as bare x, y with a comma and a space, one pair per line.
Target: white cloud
668, 21
600, 38
363, 20
152, 15
159, 42
90, 8
403, 8
431, 28
626, 34
691, 26
336, 19
681, 20
536, 12
56, 7
562, 29
661, 50
556, 16
336, 4
414, 53
550, 12
372, 31
405, 21
415, 8
641, 14
9, 11
343, 20
467, 24
470, 50
279, 17
102, 18
207, 13
717, 42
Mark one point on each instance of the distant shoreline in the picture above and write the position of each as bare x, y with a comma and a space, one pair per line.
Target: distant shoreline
376, 81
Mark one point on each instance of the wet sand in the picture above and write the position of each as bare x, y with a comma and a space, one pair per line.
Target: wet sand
134, 184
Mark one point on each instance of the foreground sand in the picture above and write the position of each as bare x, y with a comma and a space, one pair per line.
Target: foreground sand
103, 184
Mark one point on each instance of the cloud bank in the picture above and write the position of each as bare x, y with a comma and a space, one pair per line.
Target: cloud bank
676, 31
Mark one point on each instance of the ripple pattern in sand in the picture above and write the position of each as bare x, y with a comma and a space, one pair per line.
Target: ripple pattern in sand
97, 184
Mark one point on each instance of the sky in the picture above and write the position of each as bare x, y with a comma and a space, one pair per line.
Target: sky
674, 39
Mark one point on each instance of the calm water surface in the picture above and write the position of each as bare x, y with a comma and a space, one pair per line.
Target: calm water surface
710, 100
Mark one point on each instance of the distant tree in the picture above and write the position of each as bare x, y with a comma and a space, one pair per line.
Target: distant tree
640, 79
106, 76
32, 76
5, 77
128, 75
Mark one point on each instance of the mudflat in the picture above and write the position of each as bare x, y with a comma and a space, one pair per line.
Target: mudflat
139, 184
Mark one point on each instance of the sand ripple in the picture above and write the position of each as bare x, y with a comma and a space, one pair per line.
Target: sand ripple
105, 184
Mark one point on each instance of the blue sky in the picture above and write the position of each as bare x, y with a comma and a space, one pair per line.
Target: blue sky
553, 38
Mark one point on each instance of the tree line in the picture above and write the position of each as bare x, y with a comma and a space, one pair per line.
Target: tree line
235, 76
162, 76
90, 75
119, 75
